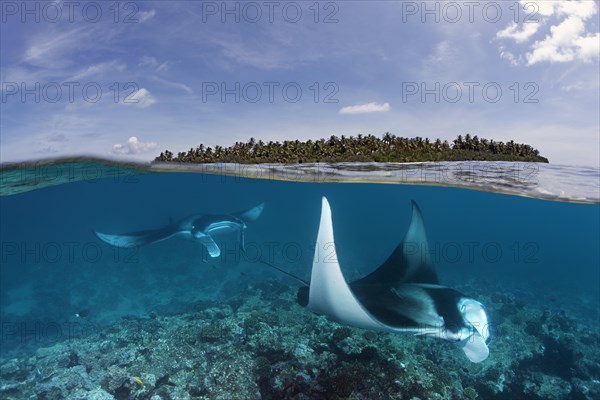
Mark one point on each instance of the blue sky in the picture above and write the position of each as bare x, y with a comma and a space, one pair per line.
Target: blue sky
83, 79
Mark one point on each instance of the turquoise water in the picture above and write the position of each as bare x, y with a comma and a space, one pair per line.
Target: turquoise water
543, 255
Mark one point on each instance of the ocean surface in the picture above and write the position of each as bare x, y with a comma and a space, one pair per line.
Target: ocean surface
82, 319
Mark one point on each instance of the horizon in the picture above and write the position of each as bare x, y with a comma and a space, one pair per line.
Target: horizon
84, 79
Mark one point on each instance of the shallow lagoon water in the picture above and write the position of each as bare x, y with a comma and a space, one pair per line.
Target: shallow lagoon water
533, 262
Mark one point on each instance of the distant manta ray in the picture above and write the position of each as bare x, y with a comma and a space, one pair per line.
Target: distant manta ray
401, 296
196, 227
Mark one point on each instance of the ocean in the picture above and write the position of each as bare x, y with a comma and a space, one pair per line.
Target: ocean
82, 319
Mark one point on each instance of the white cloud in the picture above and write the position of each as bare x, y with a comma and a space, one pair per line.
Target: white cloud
134, 146
144, 16
263, 57
50, 144
141, 98
544, 7
568, 39
97, 70
56, 137
20, 75
153, 63
366, 108
583, 9
577, 86
282, 46
518, 35
147, 60
588, 47
50, 50
176, 85
509, 56
565, 43
444, 51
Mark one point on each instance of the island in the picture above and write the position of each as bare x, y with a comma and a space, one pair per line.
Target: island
362, 148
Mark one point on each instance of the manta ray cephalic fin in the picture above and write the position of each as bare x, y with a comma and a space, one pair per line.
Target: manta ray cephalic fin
211, 246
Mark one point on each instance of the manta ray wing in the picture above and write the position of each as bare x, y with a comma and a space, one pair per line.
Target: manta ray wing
410, 262
251, 214
329, 294
140, 238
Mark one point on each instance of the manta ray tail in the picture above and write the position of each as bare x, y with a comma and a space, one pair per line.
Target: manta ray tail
302, 281
251, 214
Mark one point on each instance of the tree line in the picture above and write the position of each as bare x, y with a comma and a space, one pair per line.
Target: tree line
388, 148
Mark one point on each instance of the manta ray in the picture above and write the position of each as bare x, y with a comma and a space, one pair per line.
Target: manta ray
199, 228
403, 295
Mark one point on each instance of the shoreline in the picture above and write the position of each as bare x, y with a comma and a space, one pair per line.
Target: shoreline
503, 177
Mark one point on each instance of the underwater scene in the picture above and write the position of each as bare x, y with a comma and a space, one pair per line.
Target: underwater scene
384, 281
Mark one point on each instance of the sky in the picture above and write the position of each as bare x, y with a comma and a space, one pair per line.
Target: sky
131, 79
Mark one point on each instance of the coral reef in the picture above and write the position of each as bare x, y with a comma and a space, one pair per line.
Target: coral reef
259, 344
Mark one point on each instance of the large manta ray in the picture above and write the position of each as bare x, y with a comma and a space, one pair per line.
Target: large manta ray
403, 295
196, 227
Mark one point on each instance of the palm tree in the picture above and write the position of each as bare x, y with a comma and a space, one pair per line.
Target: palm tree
359, 148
